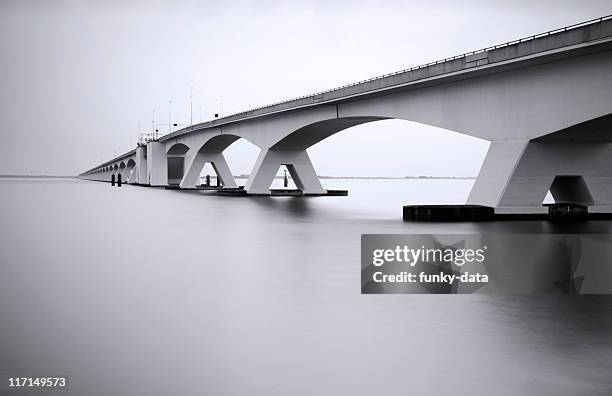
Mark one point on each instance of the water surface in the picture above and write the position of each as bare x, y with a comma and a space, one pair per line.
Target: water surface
137, 290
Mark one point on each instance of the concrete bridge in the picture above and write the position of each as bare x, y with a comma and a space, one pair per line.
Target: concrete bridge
544, 103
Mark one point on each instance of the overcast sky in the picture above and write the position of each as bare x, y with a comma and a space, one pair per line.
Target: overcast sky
77, 77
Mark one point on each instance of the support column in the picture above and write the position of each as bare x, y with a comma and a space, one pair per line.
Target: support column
125, 175
133, 176
299, 165
516, 176
141, 165
197, 162
495, 172
157, 173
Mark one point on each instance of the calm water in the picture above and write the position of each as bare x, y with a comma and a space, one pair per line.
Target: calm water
139, 290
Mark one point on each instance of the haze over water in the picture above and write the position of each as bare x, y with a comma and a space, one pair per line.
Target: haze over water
137, 290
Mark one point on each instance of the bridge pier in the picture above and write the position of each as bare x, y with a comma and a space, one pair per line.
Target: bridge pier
297, 162
141, 165
133, 176
516, 175
126, 173
218, 162
157, 172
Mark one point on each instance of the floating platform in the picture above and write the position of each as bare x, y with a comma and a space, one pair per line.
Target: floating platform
202, 187
451, 213
241, 192
448, 213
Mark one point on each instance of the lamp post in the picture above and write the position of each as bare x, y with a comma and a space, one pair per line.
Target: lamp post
153, 134
221, 105
169, 116
191, 104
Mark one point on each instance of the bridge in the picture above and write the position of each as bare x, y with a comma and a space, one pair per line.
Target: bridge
544, 102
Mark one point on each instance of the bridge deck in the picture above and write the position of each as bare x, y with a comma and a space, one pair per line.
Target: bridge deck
565, 37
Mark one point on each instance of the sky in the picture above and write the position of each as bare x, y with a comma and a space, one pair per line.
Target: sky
80, 79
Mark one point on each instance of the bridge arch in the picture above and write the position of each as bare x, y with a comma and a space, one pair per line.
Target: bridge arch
177, 149
290, 151
130, 170
211, 151
121, 168
175, 163
313, 133
576, 172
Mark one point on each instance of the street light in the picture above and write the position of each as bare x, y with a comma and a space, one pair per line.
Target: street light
221, 105
154, 135
169, 116
191, 104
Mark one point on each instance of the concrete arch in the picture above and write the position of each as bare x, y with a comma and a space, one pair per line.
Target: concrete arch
126, 170
311, 134
175, 163
210, 151
177, 149
218, 144
283, 138
290, 151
